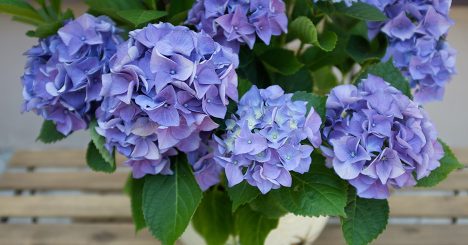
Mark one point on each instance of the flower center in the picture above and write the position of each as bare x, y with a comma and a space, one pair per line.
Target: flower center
249, 142
373, 125
236, 28
208, 100
353, 154
83, 38
172, 72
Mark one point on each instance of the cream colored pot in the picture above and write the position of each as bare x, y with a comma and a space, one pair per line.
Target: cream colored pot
291, 229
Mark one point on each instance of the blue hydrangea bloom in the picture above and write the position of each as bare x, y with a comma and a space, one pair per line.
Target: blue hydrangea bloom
165, 85
417, 30
62, 78
207, 172
235, 22
378, 138
263, 142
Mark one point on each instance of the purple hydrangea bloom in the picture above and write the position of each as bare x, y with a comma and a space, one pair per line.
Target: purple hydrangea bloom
417, 30
62, 78
232, 23
378, 138
207, 172
263, 142
165, 84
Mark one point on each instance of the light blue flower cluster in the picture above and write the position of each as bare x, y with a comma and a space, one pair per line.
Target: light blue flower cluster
62, 78
165, 84
379, 138
263, 143
235, 22
417, 30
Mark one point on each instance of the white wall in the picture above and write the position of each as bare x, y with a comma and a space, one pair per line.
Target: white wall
20, 130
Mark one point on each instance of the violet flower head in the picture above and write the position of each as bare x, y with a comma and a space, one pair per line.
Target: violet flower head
165, 85
263, 142
207, 172
62, 78
233, 23
378, 138
417, 31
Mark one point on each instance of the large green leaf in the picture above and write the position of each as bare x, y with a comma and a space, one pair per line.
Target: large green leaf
134, 189
253, 227
304, 29
138, 17
299, 81
169, 201
362, 50
268, 206
365, 219
448, 164
213, 218
112, 7
241, 194
99, 142
179, 6
317, 192
281, 61
243, 86
20, 8
362, 11
96, 161
324, 80
390, 74
313, 100
49, 133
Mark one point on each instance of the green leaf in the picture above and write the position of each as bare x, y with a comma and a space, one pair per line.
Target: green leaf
49, 133
304, 29
448, 164
253, 227
362, 11
299, 81
241, 194
365, 219
96, 161
178, 6
243, 86
138, 17
20, 8
281, 60
361, 50
47, 29
134, 189
213, 218
317, 192
313, 100
324, 80
112, 7
99, 142
169, 201
390, 74
268, 206
151, 4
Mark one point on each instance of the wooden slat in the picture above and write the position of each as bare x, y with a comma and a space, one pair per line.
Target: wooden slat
87, 181
75, 206
429, 206
76, 234
51, 158
405, 235
457, 180
462, 155
117, 206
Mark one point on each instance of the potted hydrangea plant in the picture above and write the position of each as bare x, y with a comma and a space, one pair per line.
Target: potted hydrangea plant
236, 114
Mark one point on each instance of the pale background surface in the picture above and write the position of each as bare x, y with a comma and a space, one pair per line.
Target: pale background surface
20, 130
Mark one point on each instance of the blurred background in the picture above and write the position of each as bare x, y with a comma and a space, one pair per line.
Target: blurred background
20, 130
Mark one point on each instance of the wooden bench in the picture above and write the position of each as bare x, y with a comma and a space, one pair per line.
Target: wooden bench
51, 197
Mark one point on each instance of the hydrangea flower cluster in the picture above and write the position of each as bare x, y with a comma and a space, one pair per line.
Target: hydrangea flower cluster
62, 78
379, 138
417, 30
165, 84
232, 23
207, 172
264, 144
